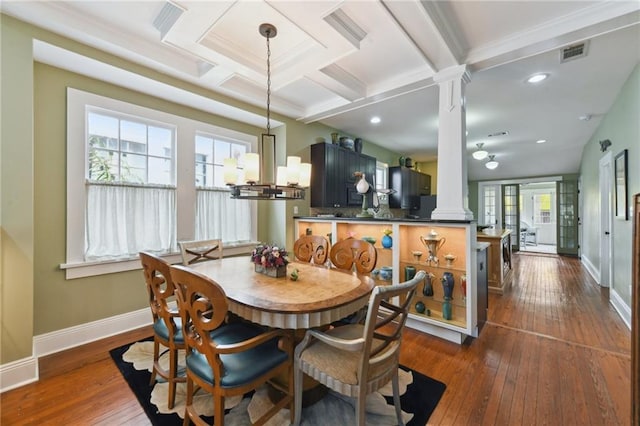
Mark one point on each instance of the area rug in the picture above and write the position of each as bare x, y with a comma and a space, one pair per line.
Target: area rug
419, 396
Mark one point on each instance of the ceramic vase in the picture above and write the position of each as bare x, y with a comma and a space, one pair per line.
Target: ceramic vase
447, 311
447, 285
420, 307
427, 290
387, 241
357, 144
409, 272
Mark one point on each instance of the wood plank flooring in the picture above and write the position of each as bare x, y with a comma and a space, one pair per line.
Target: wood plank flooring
553, 352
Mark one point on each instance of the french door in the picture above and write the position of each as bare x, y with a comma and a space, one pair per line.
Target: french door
567, 219
511, 212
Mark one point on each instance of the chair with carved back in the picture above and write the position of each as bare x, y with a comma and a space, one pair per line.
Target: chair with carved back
368, 353
312, 248
167, 325
200, 251
350, 251
227, 358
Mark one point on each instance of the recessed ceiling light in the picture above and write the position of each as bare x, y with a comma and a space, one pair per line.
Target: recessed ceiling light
537, 78
585, 117
375, 120
541, 141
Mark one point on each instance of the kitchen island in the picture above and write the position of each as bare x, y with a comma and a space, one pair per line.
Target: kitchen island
499, 258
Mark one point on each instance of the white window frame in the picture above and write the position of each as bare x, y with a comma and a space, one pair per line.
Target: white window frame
77, 160
384, 169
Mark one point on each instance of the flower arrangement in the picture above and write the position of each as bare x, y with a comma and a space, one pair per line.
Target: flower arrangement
387, 231
269, 256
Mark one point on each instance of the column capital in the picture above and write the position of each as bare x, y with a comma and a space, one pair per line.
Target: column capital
458, 72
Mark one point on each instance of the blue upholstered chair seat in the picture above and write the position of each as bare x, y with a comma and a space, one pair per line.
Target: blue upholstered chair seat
242, 367
160, 328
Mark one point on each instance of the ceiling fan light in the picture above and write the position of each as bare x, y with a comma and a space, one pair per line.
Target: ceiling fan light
480, 154
491, 164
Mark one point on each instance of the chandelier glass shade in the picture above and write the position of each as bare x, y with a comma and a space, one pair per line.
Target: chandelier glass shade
491, 164
290, 180
480, 154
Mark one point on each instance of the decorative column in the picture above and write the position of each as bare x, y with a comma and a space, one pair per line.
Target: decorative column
453, 192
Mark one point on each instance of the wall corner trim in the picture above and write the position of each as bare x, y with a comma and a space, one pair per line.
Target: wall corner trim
18, 373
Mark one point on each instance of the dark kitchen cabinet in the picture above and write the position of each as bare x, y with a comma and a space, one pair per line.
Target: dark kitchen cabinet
409, 185
332, 180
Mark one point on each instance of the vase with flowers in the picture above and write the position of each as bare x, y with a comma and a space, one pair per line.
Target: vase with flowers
387, 241
270, 260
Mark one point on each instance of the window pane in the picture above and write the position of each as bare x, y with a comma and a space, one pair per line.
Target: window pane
103, 165
133, 132
218, 178
160, 171
222, 151
160, 141
133, 168
105, 128
204, 149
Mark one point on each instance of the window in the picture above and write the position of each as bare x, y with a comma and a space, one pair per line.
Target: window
141, 179
382, 175
217, 215
128, 159
543, 209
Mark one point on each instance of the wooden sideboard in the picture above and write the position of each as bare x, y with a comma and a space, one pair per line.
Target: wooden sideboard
499, 257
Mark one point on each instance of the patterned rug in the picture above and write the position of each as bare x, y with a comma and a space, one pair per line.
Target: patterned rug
419, 397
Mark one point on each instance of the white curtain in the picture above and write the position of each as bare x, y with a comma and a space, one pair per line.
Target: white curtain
124, 220
220, 216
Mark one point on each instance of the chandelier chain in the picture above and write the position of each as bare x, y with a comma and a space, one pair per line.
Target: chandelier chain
268, 83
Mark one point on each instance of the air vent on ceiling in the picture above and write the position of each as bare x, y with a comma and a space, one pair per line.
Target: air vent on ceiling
575, 51
167, 17
493, 135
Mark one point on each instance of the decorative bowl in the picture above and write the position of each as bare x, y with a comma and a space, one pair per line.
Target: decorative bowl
370, 240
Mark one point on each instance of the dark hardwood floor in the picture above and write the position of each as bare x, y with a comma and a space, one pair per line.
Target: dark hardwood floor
553, 352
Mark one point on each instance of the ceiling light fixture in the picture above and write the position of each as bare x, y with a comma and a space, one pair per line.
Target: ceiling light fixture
290, 180
375, 120
491, 164
537, 78
541, 141
480, 154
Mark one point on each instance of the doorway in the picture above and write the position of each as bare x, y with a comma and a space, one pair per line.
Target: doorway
538, 217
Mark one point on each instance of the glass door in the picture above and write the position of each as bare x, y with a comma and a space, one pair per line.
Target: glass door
511, 212
567, 219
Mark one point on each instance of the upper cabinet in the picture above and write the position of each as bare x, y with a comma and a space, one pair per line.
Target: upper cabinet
332, 179
409, 185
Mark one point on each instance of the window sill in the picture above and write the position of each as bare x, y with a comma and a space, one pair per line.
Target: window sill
90, 269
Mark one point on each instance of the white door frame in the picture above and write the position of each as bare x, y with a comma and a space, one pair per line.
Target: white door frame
606, 220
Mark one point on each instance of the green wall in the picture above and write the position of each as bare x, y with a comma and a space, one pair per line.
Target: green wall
16, 198
621, 125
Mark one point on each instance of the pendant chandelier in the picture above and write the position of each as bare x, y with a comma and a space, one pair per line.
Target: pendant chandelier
291, 180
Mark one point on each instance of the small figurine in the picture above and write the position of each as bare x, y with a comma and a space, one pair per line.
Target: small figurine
294, 275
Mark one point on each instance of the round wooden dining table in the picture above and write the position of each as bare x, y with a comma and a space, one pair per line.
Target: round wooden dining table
319, 297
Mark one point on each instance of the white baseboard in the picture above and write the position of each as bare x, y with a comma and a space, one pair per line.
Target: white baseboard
618, 304
56, 341
24, 371
591, 269
18, 373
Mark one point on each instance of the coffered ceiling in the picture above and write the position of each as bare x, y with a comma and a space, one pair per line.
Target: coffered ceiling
342, 62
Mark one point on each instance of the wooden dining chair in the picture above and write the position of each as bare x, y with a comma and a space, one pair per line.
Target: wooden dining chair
314, 248
358, 359
167, 325
349, 252
200, 251
227, 358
